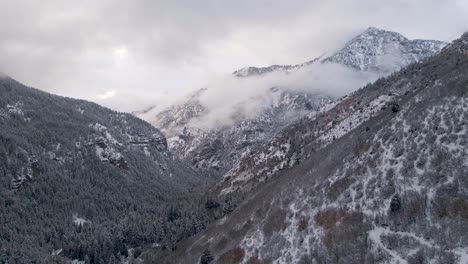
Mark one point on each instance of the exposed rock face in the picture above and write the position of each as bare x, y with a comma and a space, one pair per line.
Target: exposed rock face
157, 140
371, 185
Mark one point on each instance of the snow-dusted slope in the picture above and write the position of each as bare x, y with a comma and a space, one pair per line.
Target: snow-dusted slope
255, 71
177, 116
380, 178
221, 147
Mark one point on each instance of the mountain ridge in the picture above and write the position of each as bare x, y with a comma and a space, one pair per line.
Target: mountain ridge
369, 42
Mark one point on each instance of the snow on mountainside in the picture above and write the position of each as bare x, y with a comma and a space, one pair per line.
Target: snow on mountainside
384, 51
177, 116
294, 143
222, 148
373, 50
252, 71
379, 177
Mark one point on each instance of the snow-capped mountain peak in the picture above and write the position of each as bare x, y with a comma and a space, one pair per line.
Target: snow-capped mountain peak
383, 51
375, 50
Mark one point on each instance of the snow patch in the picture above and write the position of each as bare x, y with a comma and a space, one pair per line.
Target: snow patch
79, 221
146, 151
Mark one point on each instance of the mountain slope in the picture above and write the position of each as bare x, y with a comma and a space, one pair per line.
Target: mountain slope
79, 181
177, 116
389, 189
222, 147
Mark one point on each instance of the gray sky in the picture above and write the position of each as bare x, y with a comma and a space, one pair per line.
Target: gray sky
128, 53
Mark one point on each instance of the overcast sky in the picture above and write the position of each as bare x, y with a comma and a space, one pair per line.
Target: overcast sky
132, 52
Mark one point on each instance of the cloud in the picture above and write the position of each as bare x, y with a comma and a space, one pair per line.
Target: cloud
159, 49
106, 95
228, 97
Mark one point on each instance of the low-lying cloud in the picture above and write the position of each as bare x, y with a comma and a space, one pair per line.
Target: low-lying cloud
149, 51
229, 97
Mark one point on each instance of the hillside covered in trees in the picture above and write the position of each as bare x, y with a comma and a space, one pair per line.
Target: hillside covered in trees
82, 182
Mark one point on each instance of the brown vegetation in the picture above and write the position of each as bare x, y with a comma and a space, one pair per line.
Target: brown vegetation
328, 218
232, 256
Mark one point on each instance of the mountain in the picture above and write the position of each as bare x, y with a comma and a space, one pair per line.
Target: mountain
234, 142
179, 115
81, 182
374, 50
255, 71
379, 177
383, 51
221, 149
